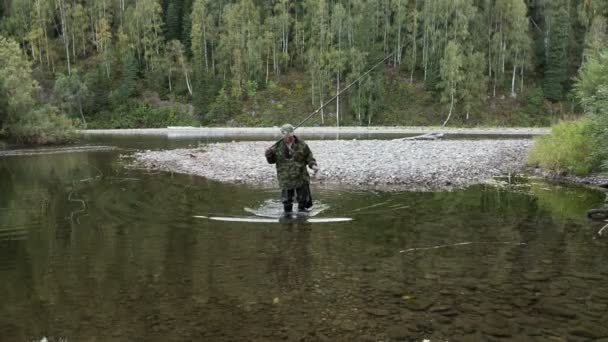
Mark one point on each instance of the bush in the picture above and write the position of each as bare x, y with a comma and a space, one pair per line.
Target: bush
42, 126
133, 115
251, 88
224, 108
572, 147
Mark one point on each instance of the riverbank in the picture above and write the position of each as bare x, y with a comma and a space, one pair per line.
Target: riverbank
388, 165
304, 132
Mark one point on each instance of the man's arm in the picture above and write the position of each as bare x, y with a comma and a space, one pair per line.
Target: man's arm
270, 155
310, 160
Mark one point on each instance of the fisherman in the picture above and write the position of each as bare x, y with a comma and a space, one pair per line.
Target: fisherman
291, 156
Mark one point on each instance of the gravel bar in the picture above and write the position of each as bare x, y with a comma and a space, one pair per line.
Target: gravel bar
387, 165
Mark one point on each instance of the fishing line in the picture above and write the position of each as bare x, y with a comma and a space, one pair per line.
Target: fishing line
338, 94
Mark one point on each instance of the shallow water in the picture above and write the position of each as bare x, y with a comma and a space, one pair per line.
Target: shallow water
91, 251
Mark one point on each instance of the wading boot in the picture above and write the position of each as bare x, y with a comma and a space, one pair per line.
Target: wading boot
303, 210
287, 210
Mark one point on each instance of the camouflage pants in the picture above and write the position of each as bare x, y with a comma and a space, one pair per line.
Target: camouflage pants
302, 194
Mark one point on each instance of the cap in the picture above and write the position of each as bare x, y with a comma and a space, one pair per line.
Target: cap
286, 129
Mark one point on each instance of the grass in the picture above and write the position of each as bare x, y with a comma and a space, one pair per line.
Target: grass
571, 148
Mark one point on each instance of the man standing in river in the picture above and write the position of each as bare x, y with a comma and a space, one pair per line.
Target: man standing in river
291, 156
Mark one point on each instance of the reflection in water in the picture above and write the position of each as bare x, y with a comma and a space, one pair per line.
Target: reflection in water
291, 259
91, 251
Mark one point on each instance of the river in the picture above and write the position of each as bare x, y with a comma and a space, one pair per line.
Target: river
93, 251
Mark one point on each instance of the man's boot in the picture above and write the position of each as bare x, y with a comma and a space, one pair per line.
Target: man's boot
302, 209
287, 209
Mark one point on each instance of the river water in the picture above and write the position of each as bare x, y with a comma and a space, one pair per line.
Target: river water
93, 251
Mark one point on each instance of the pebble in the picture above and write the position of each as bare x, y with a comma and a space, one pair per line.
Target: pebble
390, 165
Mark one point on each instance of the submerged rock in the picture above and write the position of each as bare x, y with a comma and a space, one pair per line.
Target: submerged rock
396, 165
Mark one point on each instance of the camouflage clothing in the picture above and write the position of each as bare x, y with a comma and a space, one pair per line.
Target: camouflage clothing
291, 164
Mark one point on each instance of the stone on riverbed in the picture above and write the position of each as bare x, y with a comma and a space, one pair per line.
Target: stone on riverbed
395, 165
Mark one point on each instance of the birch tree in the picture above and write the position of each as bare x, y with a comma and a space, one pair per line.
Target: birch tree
451, 76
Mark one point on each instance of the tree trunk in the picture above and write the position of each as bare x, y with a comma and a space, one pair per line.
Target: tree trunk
73, 46
321, 104
170, 86
267, 63
414, 34
451, 107
66, 36
338, 101
188, 84
205, 45
513, 94
359, 106
522, 79
84, 122
212, 59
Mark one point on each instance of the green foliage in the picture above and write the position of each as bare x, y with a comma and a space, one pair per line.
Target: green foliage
571, 147
564, 203
100, 87
21, 120
250, 88
475, 83
592, 85
223, 109
173, 23
236, 43
534, 100
71, 92
16, 84
130, 74
42, 126
133, 115
556, 65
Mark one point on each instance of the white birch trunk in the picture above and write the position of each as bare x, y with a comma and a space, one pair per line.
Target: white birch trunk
451, 107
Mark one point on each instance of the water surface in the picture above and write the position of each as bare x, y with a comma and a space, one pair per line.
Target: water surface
91, 251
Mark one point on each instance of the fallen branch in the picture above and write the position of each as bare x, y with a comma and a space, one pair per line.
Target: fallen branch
601, 230
460, 244
427, 136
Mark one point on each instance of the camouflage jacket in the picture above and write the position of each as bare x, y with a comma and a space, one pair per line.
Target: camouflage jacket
291, 165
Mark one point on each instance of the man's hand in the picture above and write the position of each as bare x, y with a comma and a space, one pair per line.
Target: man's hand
315, 169
269, 152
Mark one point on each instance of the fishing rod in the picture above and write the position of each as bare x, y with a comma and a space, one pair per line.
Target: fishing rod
337, 95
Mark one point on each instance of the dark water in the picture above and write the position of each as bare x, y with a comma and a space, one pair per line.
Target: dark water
90, 251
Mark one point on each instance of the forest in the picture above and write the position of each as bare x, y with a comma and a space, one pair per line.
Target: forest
153, 63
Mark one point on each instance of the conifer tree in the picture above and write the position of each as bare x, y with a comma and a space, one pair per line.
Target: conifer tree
130, 74
556, 63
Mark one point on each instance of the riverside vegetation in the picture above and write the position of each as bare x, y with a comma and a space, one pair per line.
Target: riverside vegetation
153, 63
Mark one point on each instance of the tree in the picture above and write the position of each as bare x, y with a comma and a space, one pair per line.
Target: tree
451, 76
103, 40
65, 10
143, 28
556, 63
176, 56
130, 74
20, 119
72, 92
16, 84
173, 21
241, 45
100, 88
475, 82
80, 23
597, 37
592, 85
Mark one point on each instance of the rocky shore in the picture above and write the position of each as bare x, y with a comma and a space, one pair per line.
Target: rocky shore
389, 165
